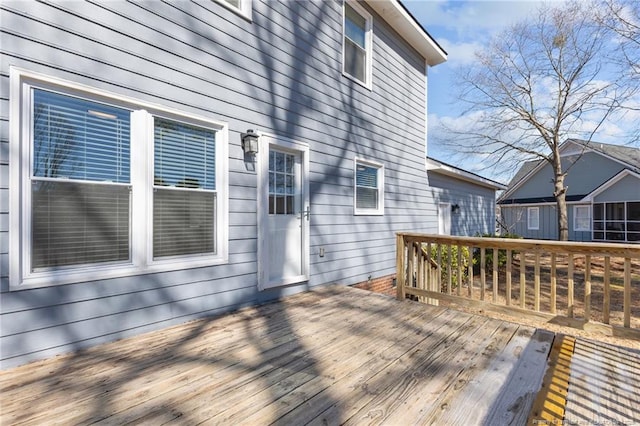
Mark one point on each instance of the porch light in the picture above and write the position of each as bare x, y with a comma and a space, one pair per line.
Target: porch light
250, 142
455, 208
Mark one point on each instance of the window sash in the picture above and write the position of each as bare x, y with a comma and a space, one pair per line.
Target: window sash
356, 49
533, 218
582, 218
110, 211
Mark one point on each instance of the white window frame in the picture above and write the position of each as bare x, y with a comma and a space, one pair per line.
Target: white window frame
368, 45
530, 211
141, 180
575, 218
245, 10
379, 211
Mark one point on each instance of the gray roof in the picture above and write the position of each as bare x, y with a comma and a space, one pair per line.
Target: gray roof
626, 154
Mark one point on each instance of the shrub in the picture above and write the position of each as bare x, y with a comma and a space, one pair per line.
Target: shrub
502, 253
444, 267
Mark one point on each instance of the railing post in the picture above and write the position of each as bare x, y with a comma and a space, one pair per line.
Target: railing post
606, 303
536, 284
400, 269
483, 273
570, 301
627, 292
459, 288
523, 271
553, 284
587, 288
508, 278
470, 286
495, 275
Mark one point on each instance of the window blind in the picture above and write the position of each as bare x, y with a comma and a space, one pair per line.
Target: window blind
76, 144
184, 197
366, 187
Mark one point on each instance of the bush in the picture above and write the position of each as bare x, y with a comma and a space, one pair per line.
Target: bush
444, 267
502, 253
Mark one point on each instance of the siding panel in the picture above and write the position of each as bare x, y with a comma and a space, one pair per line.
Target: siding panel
280, 74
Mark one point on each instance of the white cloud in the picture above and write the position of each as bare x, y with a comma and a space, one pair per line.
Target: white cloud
460, 53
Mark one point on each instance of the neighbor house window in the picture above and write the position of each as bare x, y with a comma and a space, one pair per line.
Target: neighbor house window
243, 7
356, 46
100, 196
533, 218
582, 218
618, 221
369, 187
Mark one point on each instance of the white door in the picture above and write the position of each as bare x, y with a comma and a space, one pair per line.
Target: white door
283, 213
444, 218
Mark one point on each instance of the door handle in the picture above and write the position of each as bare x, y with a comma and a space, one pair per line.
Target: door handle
306, 213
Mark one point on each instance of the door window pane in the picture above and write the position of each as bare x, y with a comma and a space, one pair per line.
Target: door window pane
282, 192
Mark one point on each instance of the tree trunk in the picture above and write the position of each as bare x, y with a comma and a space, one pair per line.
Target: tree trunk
560, 193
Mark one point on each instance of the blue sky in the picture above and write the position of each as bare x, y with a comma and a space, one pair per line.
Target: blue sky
462, 27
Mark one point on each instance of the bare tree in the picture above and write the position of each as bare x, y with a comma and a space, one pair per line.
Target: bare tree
623, 17
533, 86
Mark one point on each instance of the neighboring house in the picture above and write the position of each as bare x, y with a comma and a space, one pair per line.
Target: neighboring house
466, 202
133, 197
603, 195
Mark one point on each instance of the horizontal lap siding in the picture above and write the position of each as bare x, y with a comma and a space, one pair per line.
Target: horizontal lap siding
280, 74
477, 213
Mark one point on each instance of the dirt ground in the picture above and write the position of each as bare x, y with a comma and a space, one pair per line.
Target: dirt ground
597, 295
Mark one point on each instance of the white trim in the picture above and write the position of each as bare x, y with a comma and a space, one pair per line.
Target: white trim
447, 170
379, 211
368, 83
575, 216
529, 211
402, 22
245, 10
608, 184
141, 180
447, 207
262, 159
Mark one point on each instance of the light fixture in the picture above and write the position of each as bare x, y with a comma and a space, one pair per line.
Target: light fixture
250, 142
455, 208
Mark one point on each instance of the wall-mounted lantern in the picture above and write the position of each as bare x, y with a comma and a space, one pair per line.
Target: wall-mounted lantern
250, 142
455, 208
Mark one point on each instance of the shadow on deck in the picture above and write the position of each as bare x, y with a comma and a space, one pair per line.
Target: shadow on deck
334, 355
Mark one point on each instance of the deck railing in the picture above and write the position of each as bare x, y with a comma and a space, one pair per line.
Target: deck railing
585, 285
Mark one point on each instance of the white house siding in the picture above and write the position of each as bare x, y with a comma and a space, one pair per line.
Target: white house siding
279, 73
477, 213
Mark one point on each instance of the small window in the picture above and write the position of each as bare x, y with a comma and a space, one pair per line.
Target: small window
581, 218
243, 7
356, 47
369, 188
533, 218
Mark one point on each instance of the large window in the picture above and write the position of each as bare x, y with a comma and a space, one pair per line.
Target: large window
533, 218
369, 187
101, 196
618, 221
582, 218
356, 47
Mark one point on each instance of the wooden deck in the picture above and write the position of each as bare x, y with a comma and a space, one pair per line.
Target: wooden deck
334, 355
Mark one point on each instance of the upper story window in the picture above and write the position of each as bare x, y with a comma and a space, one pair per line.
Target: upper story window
108, 187
243, 7
356, 46
369, 188
533, 218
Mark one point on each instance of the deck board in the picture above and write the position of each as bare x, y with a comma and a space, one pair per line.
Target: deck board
334, 355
